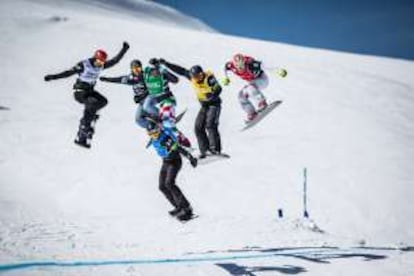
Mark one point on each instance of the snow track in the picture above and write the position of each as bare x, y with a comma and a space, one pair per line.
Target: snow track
349, 119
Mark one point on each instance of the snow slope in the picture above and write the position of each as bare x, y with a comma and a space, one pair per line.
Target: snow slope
347, 118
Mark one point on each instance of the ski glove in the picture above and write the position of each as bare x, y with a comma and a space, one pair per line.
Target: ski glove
154, 61
103, 79
225, 81
281, 72
48, 78
125, 45
183, 141
193, 161
140, 97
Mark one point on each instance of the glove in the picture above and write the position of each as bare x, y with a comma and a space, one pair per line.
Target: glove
154, 61
193, 161
209, 95
281, 72
125, 45
182, 140
225, 81
48, 78
103, 79
139, 97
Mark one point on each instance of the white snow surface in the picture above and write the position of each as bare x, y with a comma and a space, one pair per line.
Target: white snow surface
349, 119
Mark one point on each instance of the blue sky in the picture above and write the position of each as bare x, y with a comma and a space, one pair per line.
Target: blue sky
374, 27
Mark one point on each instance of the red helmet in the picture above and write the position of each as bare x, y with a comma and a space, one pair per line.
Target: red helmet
100, 55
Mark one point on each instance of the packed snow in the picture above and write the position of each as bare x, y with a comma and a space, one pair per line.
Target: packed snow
64, 210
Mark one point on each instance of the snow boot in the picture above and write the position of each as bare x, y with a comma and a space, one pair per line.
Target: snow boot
83, 143
251, 116
185, 214
82, 139
174, 212
214, 152
262, 105
84, 134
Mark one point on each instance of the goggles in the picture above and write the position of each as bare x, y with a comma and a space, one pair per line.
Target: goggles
154, 134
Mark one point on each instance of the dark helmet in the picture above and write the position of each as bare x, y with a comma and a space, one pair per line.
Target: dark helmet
136, 63
195, 70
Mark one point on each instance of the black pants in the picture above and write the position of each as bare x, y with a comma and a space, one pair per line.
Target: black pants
93, 101
206, 128
168, 174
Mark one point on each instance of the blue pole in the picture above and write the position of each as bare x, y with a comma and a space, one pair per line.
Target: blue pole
305, 192
280, 213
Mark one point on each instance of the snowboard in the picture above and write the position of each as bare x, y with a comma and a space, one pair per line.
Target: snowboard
261, 115
177, 118
210, 158
180, 116
193, 216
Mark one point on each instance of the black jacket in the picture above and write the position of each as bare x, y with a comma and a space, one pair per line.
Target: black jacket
137, 82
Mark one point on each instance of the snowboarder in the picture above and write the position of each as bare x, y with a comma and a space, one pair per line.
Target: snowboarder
136, 79
166, 144
250, 70
160, 99
208, 92
88, 72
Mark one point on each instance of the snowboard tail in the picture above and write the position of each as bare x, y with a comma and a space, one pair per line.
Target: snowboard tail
210, 158
188, 219
261, 115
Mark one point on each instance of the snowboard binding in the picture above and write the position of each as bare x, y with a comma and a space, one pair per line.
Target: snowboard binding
86, 131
